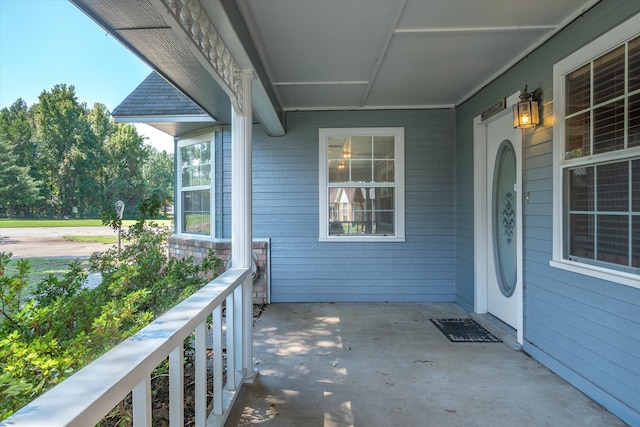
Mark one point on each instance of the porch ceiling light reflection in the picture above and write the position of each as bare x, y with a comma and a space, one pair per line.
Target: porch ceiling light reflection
526, 112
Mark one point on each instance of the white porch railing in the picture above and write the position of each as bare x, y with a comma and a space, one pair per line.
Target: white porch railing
91, 393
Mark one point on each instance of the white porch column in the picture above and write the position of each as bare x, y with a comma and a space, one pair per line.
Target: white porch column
241, 218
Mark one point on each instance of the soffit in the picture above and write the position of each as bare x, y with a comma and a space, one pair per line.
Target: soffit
146, 30
396, 53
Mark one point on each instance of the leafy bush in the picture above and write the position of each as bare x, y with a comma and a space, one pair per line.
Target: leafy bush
66, 325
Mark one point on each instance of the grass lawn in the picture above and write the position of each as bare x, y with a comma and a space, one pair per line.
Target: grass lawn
41, 268
25, 223
92, 239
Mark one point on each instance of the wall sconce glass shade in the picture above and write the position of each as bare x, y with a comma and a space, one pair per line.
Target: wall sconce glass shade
526, 112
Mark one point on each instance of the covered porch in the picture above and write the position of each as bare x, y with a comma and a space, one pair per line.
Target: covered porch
273, 75
385, 364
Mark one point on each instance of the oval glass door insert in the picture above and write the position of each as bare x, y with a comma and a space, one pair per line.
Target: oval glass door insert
504, 218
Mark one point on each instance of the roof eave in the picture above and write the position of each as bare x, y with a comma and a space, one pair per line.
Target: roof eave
151, 34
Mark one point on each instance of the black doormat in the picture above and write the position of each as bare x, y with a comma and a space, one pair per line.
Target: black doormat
464, 330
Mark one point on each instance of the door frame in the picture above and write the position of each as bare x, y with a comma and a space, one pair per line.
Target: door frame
481, 199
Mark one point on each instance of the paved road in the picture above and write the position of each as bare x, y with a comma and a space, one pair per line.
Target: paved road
50, 241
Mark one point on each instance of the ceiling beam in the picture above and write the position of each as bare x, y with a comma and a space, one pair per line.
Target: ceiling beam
383, 51
266, 106
475, 29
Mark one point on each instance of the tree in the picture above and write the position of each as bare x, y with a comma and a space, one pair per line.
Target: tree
16, 126
59, 122
88, 157
157, 173
100, 122
101, 125
125, 155
17, 187
78, 160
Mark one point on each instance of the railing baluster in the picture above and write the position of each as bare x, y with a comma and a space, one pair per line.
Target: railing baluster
218, 361
176, 387
201, 375
142, 403
231, 348
247, 331
238, 330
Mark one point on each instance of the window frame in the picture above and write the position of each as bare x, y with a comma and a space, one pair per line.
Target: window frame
207, 136
608, 42
398, 184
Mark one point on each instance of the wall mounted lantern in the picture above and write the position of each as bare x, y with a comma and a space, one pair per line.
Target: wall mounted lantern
526, 112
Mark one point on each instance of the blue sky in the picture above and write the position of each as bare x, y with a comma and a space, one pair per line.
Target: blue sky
47, 42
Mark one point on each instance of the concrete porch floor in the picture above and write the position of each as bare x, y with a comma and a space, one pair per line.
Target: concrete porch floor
369, 365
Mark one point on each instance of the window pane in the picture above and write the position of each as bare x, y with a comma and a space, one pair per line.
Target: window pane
634, 120
384, 209
613, 239
338, 147
187, 173
204, 174
196, 212
581, 235
608, 127
608, 76
361, 211
613, 187
577, 131
361, 147
634, 64
635, 235
635, 186
361, 171
338, 170
383, 147
581, 194
196, 164
384, 170
578, 87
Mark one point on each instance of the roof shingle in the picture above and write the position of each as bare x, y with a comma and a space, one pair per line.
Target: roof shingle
157, 97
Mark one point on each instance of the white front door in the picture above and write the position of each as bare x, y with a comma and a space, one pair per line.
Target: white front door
503, 240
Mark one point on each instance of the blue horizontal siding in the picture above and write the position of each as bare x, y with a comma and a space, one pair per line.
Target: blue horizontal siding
286, 193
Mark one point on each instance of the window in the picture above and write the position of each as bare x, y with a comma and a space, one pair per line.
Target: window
195, 183
597, 158
362, 184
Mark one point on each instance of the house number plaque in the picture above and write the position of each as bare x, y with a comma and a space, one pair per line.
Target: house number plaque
494, 109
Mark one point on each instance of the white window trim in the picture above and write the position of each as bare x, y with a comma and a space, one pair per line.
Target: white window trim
399, 207
613, 39
192, 139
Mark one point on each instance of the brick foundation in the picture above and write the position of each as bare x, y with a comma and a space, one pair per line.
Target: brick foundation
181, 247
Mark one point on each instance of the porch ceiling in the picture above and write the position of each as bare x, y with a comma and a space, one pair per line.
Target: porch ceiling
394, 54
347, 54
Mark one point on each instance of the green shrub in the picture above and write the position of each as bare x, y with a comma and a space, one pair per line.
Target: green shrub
65, 325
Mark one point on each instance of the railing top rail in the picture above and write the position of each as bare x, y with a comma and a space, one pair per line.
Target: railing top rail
85, 397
